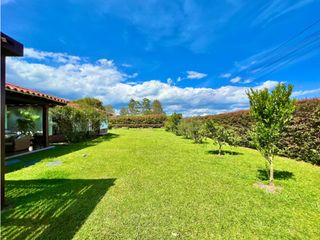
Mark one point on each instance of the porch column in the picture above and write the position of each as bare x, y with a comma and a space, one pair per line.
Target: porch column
45, 125
9, 47
2, 125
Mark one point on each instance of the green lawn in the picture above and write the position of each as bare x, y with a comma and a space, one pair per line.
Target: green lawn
150, 184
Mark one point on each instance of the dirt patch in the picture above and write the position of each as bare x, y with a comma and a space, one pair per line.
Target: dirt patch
267, 187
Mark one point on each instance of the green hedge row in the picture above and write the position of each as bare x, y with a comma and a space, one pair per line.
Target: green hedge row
300, 140
146, 121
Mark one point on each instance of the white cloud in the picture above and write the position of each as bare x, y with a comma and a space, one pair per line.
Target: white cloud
57, 57
249, 80
306, 92
225, 75
195, 75
235, 79
102, 79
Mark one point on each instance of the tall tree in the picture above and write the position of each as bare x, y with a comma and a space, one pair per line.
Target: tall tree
134, 107
124, 112
146, 106
157, 107
272, 112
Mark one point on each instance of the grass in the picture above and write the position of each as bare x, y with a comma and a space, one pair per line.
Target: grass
150, 184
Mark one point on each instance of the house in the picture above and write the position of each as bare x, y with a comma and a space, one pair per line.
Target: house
15, 97
21, 104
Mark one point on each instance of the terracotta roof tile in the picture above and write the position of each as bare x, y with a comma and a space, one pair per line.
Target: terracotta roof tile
15, 88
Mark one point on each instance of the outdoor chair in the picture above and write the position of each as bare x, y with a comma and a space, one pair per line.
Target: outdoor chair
17, 142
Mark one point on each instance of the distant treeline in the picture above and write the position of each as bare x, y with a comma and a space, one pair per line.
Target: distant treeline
145, 107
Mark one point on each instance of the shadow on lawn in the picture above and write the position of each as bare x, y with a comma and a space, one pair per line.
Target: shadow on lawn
224, 152
280, 175
58, 151
50, 208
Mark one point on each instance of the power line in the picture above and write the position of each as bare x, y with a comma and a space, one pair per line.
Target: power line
281, 51
292, 51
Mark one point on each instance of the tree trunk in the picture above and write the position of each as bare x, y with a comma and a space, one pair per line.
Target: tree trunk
220, 149
271, 171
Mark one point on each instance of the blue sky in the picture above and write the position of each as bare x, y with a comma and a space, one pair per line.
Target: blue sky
197, 57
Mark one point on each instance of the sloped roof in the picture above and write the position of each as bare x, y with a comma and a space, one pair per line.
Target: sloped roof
14, 88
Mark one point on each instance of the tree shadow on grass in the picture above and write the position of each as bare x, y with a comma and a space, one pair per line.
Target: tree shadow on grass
58, 151
280, 175
50, 208
224, 152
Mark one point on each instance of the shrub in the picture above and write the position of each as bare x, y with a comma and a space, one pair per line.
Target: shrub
220, 134
192, 130
70, 122
146, 121
77, 122
172, 122
300, 139
183, 129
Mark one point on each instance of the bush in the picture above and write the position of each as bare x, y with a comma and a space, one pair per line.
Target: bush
220, 134
70, 122
192, 130
77, 123
300, 139
146, 121
182, 129
172, 122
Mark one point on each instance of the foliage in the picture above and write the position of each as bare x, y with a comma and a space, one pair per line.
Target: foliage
221, 135
146, 121
172, 122
163, 179
157, 107
134, 107
146, 106
80, 120
271, 112
192, 129
27, 122
300, 139
89, 103
109, 110
70, 122
124, 112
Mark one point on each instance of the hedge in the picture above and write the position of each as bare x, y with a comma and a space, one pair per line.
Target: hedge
146, 121
300, 140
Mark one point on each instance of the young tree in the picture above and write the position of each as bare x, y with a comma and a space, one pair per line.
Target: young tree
134, 107
124, 112
146, 106
157, 107
271, 111
196, 131
220, 134
172, 122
